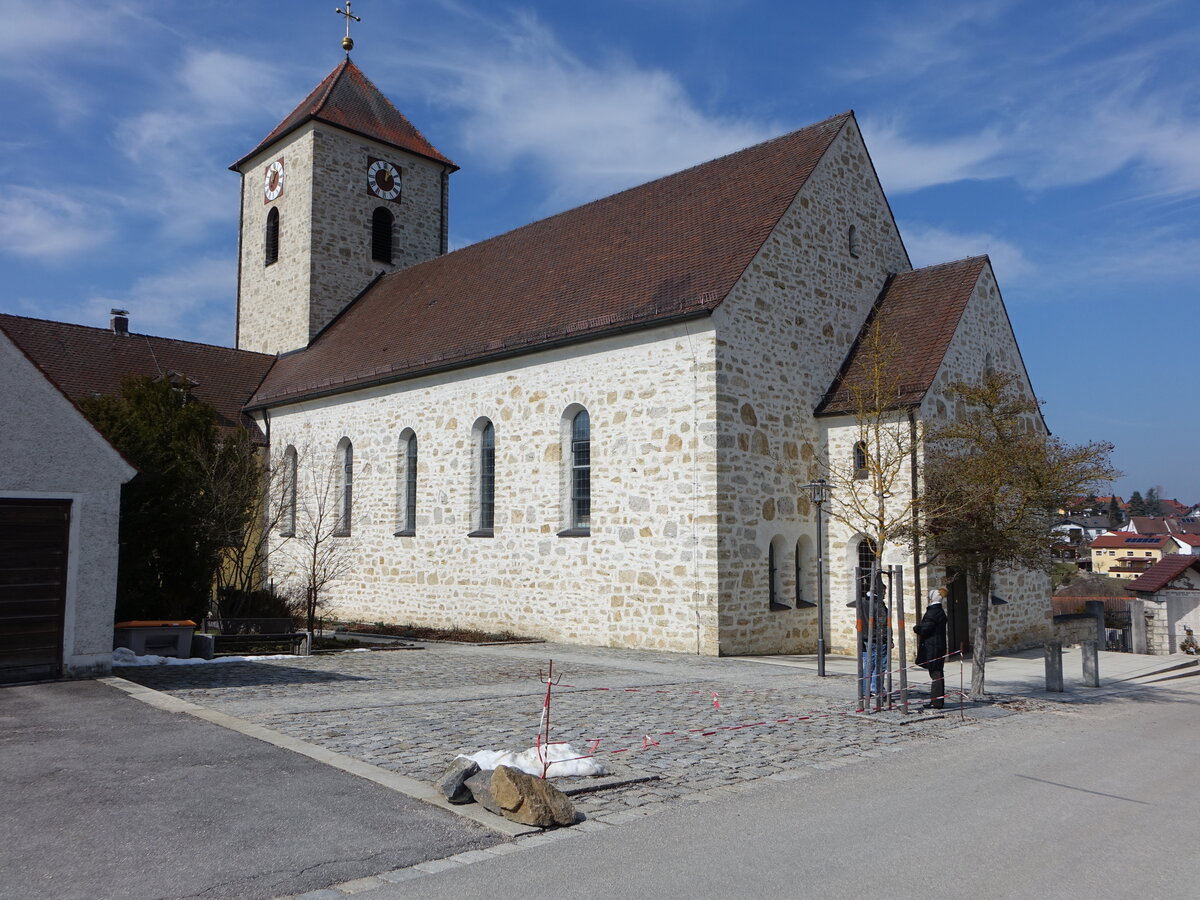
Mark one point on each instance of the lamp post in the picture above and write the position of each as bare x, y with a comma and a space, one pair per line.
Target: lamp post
818, 492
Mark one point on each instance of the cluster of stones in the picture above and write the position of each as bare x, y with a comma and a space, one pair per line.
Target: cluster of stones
508, 792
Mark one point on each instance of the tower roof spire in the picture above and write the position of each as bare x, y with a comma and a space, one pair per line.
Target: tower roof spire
347, 41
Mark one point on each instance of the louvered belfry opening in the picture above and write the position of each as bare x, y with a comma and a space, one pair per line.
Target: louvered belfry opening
382, 222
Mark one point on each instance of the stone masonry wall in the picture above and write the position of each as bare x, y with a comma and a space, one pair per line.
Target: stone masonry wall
341, 217
984, 337
783, 334
645, 575
325, 232
272, 300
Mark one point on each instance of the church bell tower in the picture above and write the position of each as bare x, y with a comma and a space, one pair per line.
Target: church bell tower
341, 190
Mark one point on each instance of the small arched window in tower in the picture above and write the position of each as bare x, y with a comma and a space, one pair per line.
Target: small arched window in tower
271, 244
866, 562
852, 241
382, 222
860, 460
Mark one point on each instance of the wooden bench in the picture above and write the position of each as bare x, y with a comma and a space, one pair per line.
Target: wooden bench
259, 644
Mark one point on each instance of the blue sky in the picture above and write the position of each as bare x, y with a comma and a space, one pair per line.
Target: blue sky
1061, 138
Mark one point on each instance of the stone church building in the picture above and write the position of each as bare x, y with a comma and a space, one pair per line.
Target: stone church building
594, 428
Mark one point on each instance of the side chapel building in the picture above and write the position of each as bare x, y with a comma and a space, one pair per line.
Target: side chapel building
595, 428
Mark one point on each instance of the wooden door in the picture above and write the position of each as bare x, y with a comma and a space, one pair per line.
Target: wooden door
33, 587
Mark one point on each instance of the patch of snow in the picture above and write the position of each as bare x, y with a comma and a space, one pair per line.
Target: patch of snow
123, 656
564, 760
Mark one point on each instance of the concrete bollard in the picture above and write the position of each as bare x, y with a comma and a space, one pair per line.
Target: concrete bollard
1091, 664
1054, 668
1096, 608
1137, 622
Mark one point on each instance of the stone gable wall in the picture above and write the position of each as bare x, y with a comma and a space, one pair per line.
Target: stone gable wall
645, 576
984, 335
783, 334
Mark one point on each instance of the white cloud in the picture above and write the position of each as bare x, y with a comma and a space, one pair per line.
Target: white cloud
194, 301
58, 28
906, 164
929, 245
45, 225
588, 127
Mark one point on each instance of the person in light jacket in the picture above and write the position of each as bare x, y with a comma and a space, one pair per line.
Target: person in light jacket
931, 651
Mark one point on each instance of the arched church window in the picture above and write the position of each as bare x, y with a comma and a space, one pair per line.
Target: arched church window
271, 247
860, 459
484, 514
382, 222
581, 470
774, 575
287, 517
866, 561
408, 484
346, 494
852, 241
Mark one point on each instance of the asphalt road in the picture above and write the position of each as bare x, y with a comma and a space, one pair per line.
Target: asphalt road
104, 796
1093, 801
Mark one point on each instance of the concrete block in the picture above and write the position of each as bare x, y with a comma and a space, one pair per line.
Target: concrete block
1054, 667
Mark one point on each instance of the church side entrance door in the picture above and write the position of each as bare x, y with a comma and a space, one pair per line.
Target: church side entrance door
958, 613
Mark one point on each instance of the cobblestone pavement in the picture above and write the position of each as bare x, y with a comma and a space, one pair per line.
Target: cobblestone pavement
651, 718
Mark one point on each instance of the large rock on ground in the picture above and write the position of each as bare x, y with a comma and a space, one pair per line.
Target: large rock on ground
480, 786
530, 800
453, 785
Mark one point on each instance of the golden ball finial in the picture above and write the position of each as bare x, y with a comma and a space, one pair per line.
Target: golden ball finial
347, 43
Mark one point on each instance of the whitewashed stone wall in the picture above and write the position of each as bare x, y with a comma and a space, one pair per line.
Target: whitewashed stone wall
82, 468
783, 334
325, 232
984, 337
644, 578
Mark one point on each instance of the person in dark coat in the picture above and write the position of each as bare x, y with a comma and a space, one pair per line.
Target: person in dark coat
931, 651
874, 632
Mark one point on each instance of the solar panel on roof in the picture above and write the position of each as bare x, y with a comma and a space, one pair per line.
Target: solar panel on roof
1141, 540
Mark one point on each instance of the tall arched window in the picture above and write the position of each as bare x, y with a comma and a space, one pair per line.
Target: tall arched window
484, 514
799, 573
852, 241
581, 471
287, 494
860, 459
271, 241
346, 494
407, 484
774, 575
382, 221
866, 560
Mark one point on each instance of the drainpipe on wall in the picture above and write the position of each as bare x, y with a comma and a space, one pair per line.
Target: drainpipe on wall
912, 460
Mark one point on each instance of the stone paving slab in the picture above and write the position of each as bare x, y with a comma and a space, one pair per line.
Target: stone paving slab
646, 714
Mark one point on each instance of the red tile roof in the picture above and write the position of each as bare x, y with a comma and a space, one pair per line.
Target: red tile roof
667, 250
349, 100
1163, 573
919, 310
83, 361
1130, 541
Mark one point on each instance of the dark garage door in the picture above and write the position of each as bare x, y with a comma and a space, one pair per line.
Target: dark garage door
33, 584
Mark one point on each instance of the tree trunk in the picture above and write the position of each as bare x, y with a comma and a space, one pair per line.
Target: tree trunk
979, 651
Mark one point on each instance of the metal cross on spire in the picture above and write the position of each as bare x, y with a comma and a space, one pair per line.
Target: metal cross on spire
347, 41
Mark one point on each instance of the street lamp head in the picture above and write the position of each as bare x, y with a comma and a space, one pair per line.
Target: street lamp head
818, 491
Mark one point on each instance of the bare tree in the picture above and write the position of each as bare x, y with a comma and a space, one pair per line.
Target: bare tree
997, 480
872, 491
315, 549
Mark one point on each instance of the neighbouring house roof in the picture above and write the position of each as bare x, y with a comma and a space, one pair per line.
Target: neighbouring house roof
667, 250
1131, 541
1192, 540
1163, 525
83, 361
918, 311
1176, 508
349, 100
1163, 573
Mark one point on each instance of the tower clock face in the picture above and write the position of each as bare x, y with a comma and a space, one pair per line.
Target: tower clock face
273, 181
383, 180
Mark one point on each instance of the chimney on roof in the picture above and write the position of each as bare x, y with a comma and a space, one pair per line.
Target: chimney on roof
120, 321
